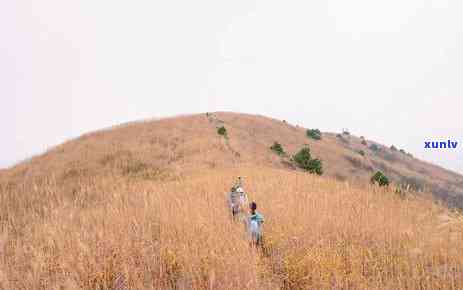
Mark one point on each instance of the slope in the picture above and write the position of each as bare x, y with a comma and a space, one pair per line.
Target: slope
174, 147
142, 206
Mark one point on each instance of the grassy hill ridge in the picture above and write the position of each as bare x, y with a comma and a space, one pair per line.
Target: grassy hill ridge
143, 206
176, 146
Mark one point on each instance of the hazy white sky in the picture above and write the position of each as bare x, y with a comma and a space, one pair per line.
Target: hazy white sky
390, 70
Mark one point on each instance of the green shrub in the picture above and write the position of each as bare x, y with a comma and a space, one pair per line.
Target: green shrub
364, 142
222, 131
361, 152
402, 151
314, 134
278, 149
315, 166
374, 147
304, 160
380, 179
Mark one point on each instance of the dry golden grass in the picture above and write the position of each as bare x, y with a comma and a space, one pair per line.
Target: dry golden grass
319, 234
186, 144
143, 207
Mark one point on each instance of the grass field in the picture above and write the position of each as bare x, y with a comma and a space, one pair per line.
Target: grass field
178, 235
143, 206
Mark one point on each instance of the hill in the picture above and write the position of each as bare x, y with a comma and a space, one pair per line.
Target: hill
174, 147
142, 206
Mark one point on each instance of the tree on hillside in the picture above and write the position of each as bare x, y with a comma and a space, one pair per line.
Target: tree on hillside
314, 134
302, 158
393, 148
315, 166
380, 179
304, 161
222, 131
278, 149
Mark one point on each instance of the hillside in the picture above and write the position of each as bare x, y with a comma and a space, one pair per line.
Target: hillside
174, 147
142, 206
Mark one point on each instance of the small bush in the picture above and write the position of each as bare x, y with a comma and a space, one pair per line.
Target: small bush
361, 152
402, 151
364, 142
222, 131
374, 147
380, 179
304, 160
393, 148
314, 134
345, 132
315, 166
278, 149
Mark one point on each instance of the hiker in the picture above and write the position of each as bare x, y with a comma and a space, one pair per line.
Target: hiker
239, 183
237, 199
255, 222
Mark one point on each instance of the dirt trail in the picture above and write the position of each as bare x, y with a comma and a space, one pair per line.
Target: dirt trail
219, 123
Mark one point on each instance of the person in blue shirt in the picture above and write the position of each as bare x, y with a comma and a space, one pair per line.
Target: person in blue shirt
255, 222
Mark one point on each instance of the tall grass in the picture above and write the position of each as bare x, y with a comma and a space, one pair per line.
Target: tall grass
119, 232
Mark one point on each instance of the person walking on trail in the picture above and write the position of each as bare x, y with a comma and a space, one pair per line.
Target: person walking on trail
255, 222
237, 201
